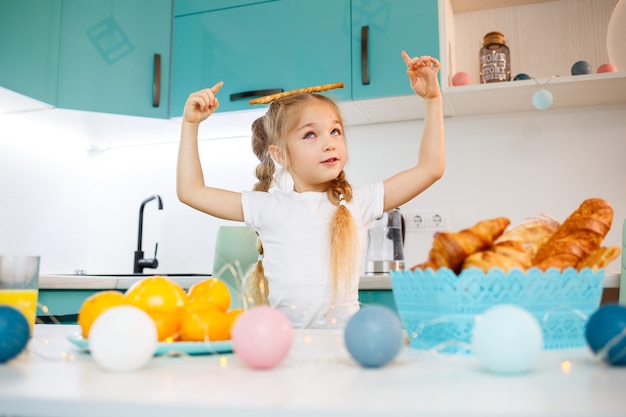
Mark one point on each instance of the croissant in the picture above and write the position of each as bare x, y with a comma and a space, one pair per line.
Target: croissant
532, 233
599, 258
450, 249
504, 255
578, 236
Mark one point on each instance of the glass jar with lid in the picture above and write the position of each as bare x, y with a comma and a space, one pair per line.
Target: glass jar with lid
495, 65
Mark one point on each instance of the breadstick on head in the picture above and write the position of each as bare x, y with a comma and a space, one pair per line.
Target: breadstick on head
313, 89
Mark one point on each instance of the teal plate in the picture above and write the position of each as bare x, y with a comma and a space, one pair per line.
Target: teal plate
174, 348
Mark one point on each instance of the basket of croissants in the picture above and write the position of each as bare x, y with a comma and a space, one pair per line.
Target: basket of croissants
554, 270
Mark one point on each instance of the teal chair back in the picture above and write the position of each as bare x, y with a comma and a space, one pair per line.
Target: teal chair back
235, 253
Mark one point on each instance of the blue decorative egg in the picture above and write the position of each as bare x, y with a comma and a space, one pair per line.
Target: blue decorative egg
606, 333
14, 333
373, 336
521, 76
581, 67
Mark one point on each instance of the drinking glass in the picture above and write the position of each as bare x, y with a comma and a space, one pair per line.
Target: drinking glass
19, 284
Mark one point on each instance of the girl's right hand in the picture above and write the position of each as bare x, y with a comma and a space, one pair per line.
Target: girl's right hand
201, 104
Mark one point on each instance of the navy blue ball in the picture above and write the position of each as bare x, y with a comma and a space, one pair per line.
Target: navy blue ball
374, 336
521, 76
608, 324
581, 67
14, 333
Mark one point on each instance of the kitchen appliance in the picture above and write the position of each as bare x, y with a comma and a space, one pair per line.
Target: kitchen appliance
385, 244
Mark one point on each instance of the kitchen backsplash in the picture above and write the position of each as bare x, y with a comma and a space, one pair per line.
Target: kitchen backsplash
78, 208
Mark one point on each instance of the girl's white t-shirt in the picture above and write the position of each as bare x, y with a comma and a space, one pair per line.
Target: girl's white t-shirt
295, 231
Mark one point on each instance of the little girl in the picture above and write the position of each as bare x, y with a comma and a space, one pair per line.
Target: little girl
312, 235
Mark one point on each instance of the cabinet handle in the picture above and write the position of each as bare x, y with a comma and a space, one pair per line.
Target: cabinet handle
255, 93
156, 86
365, 70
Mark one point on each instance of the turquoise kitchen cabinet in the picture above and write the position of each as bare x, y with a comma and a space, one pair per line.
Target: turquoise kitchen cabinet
381, 297
29, 47
284, 45
183, 7
291, 44
115, 56
62, 305
380, 30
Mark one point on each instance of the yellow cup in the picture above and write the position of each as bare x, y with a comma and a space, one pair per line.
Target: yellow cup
19, 284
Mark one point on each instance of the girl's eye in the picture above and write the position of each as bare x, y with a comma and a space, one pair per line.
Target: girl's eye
335, 132
308, 135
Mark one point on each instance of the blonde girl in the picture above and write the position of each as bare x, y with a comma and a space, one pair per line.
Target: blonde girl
313, 234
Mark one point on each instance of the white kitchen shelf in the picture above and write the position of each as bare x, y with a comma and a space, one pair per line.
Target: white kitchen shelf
539, 48
515, 96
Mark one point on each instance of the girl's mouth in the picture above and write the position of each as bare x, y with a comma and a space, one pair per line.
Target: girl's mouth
330, 160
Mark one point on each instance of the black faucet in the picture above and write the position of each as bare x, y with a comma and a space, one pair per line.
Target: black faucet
141, 263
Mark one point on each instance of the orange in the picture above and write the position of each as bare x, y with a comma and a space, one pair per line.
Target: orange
213, 291
163, 300
95, 305
204, 322
232, 317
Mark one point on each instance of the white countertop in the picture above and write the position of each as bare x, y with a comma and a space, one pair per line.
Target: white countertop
104, 282
123, 282
318, 378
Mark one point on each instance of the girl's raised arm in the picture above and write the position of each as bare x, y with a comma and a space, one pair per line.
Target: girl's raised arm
405, 185
190, 186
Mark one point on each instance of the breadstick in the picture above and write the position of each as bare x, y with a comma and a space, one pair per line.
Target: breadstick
314, 89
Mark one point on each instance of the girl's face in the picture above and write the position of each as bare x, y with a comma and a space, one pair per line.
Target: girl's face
316, 147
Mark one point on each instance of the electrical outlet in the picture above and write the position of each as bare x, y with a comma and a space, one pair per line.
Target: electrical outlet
417, 221
426, 221
438, 220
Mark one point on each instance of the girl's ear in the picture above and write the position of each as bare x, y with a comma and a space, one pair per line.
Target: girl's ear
276, 154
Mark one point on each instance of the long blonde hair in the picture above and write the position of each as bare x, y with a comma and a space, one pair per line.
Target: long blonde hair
272, 129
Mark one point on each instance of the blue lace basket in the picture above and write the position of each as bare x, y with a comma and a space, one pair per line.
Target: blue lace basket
438, 308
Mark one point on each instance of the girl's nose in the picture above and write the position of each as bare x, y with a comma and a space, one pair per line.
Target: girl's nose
328, 145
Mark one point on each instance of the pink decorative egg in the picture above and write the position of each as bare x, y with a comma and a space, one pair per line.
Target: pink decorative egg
461, 78
262, 337
606, 68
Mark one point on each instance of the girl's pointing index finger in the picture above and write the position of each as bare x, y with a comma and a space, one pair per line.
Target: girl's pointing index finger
217, 87
406, 57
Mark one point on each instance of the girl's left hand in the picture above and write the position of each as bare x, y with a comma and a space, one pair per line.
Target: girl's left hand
422, 73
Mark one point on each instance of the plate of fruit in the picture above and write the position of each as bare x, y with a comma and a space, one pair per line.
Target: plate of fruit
193, 322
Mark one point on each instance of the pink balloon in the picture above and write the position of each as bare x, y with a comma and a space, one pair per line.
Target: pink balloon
606, 68
262, 337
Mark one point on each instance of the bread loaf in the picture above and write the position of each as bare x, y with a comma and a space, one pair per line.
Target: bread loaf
578, 236
504, 255
531, 233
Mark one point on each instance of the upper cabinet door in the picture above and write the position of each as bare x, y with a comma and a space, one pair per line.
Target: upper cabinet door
284, 45
380, 31
29, 47
115, 56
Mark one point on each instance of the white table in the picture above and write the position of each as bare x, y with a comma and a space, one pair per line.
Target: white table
318, 378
